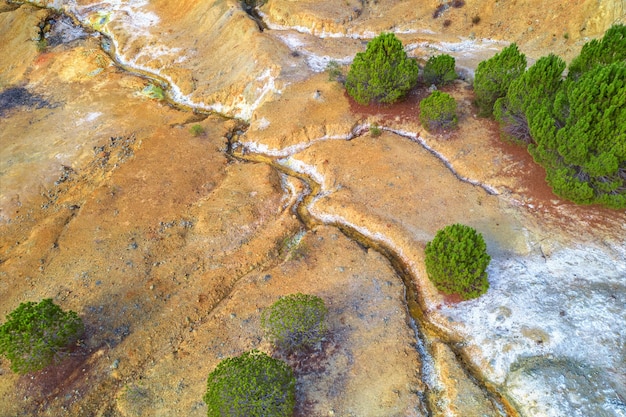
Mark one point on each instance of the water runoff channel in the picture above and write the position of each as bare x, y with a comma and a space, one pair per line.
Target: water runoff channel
425, 332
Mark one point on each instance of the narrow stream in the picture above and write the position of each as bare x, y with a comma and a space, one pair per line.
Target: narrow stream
425, 332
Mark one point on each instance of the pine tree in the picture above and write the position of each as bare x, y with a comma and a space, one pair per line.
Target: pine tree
251, 385
581, 139
535, 88
494, 76
438, 111
383, 73
611, 48
439, 70
456, 261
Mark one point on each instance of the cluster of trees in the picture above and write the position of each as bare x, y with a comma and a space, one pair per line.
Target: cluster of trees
384, 74
574, 125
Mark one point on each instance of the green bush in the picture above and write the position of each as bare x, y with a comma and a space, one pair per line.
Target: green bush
611, 48
439, 70
494, 76
295, 322
251, 385
534, 89
37, 334
456, 261
383, 73
438, 112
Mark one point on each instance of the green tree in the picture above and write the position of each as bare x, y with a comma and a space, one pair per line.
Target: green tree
526, 95
383, 73
439, 70
494, 76
611, 48
251, 385
295, 322
438, 112
456, 261
34, 335
581, 138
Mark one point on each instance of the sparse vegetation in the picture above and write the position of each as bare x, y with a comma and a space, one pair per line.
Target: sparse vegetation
295, 322
251, 385
375, 130
335, 73
439, 70
37, 334
494, 76
438, 112
197, 130
456, 261
153, 91
42, 44
383, 73
457, 3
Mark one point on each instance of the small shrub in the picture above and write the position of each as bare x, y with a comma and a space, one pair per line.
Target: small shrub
439, 70
197, 130
494, 76
335, 73
438, 112
42, 44
456, 261
375, 130
458, 3
153, 91
295, 322
475, 20
37, 334
447, 23
251, 385
383, 73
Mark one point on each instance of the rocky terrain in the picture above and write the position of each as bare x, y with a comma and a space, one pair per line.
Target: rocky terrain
169, 244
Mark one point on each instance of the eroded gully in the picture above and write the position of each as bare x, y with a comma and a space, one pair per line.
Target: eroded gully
426, 332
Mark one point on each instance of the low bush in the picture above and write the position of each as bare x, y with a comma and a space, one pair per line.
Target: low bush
494, 76
295, 322
456, 261
438, 112
251, 385
439, 70
383, 73
36, 334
